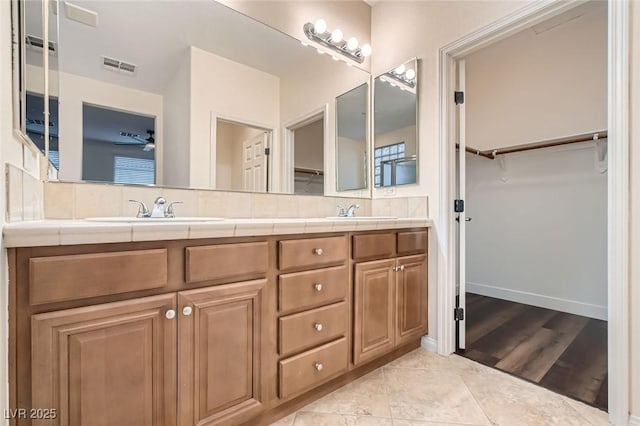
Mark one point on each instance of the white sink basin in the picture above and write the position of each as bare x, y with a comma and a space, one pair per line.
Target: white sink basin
153, 219
361, 217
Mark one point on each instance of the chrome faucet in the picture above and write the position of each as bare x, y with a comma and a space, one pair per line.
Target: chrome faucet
349, 212
160, 208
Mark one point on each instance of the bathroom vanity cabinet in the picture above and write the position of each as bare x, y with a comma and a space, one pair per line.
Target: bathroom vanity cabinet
208, 331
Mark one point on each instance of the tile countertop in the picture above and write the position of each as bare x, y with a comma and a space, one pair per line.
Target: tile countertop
69, 232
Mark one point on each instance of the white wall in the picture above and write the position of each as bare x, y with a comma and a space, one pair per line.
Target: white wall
177, 125
506, 104
309, 146
539, 229
229, 90
76, 90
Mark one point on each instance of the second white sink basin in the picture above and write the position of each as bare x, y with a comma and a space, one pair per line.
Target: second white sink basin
361, 217
117, 219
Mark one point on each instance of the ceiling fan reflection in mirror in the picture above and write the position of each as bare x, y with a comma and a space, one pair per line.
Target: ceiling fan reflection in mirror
148, 143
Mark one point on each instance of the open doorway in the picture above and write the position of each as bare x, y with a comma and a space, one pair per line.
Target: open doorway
242, 152
305, 138
532, 232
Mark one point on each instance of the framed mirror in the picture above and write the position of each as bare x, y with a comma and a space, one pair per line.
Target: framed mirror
352, 138
191, 94
395, 150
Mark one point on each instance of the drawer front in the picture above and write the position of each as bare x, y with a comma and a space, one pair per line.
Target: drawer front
370, 246
226, 261
313, 252
310, 328
309, 369
73, 277
303, 290
412, 242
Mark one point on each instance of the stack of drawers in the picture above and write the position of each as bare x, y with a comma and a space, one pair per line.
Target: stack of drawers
313, 312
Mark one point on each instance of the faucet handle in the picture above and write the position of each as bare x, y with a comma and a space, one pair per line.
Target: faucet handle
341, 211
143, 211
169, 211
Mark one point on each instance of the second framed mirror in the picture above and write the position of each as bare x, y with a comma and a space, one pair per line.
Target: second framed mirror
395, 150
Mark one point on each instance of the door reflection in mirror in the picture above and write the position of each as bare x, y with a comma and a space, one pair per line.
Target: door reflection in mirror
242, 153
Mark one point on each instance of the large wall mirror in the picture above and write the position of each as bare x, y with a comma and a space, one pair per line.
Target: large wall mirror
352, 138
395, 151
188, 94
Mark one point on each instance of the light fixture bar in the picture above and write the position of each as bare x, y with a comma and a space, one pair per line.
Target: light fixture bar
324, 38
401, 79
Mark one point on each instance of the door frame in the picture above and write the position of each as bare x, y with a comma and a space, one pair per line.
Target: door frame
288, 147
618, 182
271, 181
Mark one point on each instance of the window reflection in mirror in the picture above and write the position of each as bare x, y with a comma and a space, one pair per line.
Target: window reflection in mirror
117, 146
395, 152
351, 139
34, 124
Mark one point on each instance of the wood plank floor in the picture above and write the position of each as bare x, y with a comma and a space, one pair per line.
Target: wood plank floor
562, 352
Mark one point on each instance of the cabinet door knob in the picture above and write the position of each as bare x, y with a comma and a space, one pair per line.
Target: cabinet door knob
187, 310
318, 286
317, 251
401, 267
318, 366
170, 314
318, 326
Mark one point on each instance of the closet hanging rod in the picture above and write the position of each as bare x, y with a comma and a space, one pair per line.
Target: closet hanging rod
492, 153
308, 171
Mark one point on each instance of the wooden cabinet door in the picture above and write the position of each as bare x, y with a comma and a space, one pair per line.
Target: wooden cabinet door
374, 306
110, 364
411, 296
219, 355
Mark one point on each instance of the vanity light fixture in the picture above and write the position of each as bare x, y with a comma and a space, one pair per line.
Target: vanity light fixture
335, 41
402, 75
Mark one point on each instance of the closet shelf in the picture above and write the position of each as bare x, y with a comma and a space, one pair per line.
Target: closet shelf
493, 153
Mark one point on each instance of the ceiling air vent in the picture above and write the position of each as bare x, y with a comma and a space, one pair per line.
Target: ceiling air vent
116, 65
37, 43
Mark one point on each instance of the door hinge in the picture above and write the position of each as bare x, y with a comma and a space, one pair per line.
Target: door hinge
458, 206
267, 151
458, 97
458, 314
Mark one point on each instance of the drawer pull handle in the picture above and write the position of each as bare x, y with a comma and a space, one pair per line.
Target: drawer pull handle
318, 366
170, 314
317, 251
318, 286
187, 310
318, 326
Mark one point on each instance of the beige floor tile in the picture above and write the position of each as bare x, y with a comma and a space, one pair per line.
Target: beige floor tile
595, 416
510, 401
423, 359
431, 395
419, 423
364, 397
285, 421
304, 418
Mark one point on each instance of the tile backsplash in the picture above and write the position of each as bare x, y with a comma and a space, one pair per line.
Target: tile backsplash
24, 195
81, 200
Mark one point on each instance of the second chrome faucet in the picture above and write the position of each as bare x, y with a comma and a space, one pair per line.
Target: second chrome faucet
348, 212
160, 208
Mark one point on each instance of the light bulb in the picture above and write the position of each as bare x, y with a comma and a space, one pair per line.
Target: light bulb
320, 51
320, 26
410, 74
304, 43
335, 58
352, 43
399, 70
366, 50
336, 36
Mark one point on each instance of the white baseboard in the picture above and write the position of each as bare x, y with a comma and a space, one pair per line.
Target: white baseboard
634, 420
429, 343
557, 304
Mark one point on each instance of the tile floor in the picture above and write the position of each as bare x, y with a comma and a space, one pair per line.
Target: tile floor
422, 388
